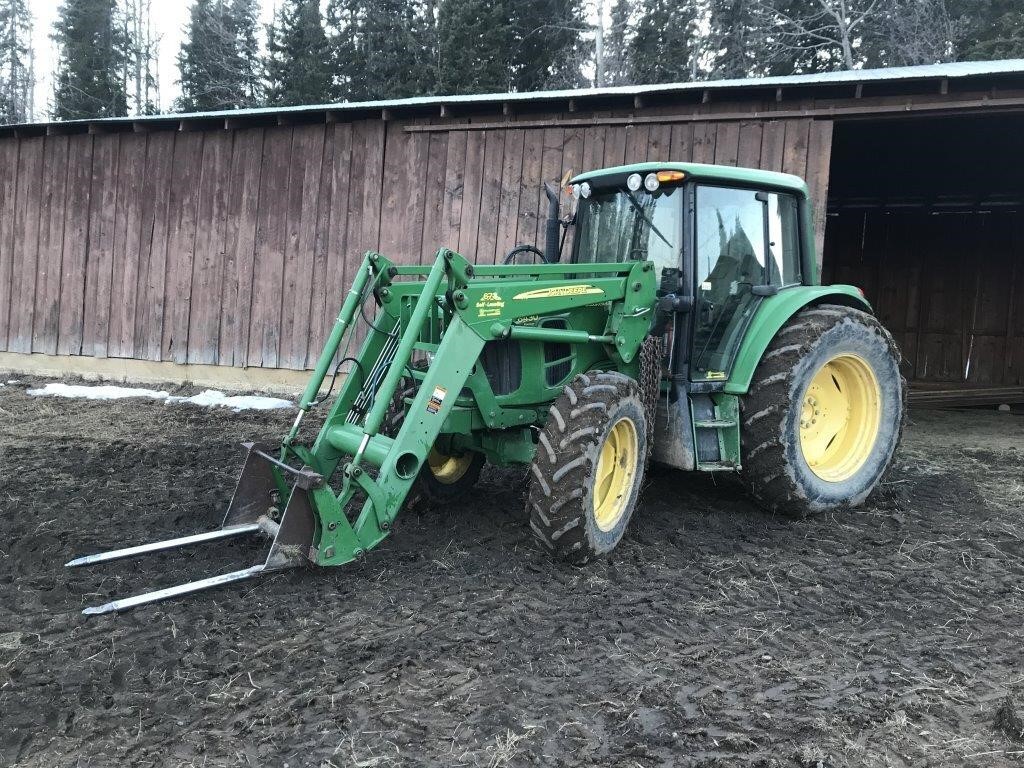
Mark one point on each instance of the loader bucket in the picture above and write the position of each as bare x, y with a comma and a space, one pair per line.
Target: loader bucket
248, 513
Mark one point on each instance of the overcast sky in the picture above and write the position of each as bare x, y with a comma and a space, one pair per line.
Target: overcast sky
169, 19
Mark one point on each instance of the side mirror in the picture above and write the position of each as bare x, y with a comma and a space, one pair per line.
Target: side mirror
675, 303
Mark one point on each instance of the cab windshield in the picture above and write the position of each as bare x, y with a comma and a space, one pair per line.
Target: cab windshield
620, 225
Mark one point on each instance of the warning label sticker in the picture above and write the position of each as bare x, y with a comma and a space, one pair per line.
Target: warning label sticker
436, 398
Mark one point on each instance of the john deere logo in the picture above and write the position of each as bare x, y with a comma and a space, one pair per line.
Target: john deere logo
559, 291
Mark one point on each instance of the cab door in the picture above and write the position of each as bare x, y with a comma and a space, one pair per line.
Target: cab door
745, 247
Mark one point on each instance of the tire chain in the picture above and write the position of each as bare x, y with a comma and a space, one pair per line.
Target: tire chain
650, 384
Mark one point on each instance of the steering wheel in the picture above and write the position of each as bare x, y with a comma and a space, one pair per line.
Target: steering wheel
511, 256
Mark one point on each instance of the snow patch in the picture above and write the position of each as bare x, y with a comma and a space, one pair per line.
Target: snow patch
213, 397
208, 397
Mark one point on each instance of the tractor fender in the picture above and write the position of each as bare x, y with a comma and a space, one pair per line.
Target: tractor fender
774, 312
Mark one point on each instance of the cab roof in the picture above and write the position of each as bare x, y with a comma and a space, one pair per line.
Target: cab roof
728, 174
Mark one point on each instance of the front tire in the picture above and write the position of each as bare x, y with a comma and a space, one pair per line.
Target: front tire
824, 414
447, 475
589, 466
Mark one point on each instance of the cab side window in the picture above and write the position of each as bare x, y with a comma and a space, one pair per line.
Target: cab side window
784, 238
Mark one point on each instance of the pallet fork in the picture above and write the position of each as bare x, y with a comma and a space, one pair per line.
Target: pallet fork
246, 516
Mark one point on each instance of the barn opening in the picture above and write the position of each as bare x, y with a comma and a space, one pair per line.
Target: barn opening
927, 216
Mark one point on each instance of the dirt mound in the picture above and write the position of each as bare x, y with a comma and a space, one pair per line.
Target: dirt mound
714, 635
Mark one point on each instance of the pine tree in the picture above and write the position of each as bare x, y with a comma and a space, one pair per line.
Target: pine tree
475, 38
140, 76
243, 17
16, 62
992, 29
93, 59
219, 57
298, 60
382, 48
616, 62
509, 45
737, 42
663, 46
548, 50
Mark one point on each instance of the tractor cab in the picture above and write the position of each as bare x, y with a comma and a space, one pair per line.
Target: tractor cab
721, 240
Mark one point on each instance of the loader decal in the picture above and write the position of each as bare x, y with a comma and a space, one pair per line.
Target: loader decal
490, 305
559, 291
436, 398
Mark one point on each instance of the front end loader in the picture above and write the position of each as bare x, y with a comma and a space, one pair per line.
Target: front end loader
685, 325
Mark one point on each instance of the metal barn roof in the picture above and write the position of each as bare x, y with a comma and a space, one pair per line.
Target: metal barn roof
582, 96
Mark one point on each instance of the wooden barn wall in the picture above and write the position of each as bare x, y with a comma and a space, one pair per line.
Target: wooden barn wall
955, 319
234, 247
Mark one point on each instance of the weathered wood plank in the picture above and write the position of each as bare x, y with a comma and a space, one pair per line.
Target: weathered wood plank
704, 135
614, 146
682, 142
490, 197
76, 242
8, 195
727, 142
373, 172
749, 153
127, 233
637, 143
473, 179
26, 244
533, 152
405, 168
183, 214
318, 330
327, 302
51, 245
819, 158
454, 183
433, 197
267, 291
413, 210
794, 154
149, 311
208, 264
302, 201
511, 182
593, 147
659, 147
551, 172
773, 139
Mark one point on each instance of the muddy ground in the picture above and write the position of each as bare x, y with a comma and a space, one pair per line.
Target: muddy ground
714, 636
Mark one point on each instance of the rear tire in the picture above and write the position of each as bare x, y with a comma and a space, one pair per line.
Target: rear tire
824, 414
589, 466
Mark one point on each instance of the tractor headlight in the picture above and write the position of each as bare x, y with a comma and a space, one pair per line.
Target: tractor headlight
634, 182
575, 189
651, 182
585, 189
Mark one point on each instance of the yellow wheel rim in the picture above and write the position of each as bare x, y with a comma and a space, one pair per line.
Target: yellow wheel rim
448, 469
840, 417
616, 473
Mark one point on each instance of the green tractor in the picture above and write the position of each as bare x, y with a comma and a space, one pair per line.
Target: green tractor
685, 324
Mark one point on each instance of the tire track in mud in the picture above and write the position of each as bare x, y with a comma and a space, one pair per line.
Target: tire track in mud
714, 635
